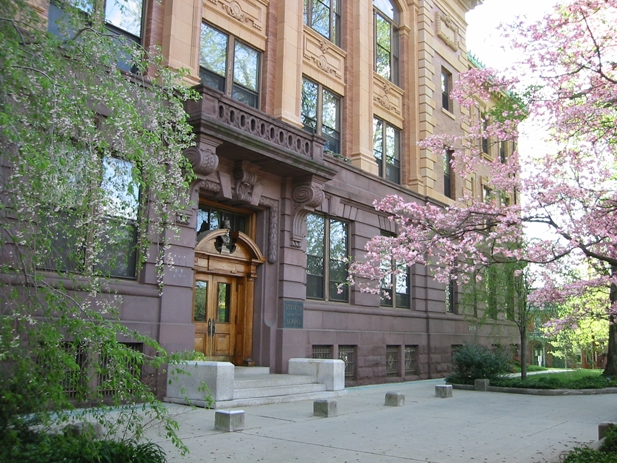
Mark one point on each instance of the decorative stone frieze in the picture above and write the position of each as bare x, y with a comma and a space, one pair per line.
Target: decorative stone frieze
322, 54
245, 11
306, 197
447, 30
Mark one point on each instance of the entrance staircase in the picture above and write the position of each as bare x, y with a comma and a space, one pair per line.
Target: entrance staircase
256, 386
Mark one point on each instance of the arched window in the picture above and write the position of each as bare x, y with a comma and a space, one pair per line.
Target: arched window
385, 23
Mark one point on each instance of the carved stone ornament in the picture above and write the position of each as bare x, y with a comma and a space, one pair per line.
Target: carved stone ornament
273, 227
203, 161
209, 185
234, 9
447, 30
306, 198
245, 183
384, 101
320, 60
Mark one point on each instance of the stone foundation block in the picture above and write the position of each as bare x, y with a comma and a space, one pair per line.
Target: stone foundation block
229, 420
481, 384
330, 372
325, 408
395, 399
443, 391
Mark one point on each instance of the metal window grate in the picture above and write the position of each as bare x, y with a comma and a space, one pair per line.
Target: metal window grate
392, 361
111, 367
322, 352
348, 355
75, 376
411, 360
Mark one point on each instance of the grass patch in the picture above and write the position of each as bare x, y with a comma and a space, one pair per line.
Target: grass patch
577, 379
530, 368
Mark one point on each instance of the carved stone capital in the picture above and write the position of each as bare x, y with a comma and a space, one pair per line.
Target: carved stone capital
247, 185
204, 161
306, 196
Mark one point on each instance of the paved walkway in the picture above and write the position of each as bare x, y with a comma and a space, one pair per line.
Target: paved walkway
469, 427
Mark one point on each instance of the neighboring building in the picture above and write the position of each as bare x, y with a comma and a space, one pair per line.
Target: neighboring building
310, 111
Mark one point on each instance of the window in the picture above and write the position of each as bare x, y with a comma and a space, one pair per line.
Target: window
212, 218
123, 18
502, 151
385, 17
324, 17
321, 114
446, 88
451, 297
392, 361
485, 139
447, 174
322, 352
72, 241
386, 149
326, 253
395, 289
229, 65
411, 360
348, 355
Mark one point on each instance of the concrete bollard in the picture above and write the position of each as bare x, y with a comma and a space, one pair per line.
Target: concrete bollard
229, 420
443, 390
481, 384
395, 399
325, 408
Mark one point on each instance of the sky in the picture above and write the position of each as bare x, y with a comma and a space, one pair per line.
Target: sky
483, 39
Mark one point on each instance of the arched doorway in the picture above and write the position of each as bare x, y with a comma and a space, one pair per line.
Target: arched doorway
225, 270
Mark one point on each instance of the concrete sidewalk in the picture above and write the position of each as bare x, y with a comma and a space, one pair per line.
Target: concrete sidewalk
469, 427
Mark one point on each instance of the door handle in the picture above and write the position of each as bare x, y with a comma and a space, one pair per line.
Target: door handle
211, 327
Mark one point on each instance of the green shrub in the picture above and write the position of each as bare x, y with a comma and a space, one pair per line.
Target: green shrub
473, 361
585, 455
29, 447
609, 444
606, 454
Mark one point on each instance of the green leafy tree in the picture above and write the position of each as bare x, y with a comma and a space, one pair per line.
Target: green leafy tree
92, 179
501, 288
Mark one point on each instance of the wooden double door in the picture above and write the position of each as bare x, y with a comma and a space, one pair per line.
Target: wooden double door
216, 315
223, 297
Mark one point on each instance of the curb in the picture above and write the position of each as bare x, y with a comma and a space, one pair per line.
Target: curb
544, 392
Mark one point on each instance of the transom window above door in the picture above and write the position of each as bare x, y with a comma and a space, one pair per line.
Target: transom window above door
229, 65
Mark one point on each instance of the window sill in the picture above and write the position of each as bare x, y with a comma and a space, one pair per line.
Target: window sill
448, 113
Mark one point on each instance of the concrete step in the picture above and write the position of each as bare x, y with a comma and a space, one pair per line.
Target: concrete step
253, 401
249, 371
254, 380
272, 391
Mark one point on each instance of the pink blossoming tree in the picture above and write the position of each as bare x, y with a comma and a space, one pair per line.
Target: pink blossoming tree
570, 188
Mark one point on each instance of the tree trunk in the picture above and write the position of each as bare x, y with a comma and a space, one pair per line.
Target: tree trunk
611, 354
523, 333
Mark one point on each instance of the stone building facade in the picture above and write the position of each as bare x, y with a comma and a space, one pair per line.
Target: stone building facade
309, 111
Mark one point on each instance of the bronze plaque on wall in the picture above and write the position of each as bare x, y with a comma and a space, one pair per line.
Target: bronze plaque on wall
293, 314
